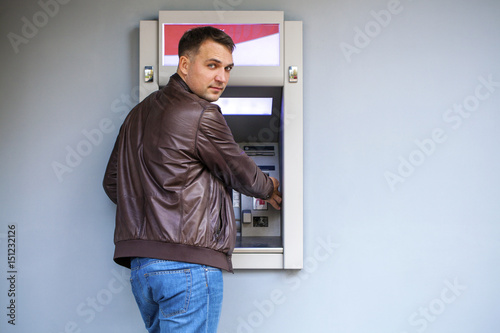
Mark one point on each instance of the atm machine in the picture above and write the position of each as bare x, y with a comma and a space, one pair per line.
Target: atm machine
262, 105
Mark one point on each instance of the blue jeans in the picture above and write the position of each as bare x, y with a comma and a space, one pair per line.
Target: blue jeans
177, 297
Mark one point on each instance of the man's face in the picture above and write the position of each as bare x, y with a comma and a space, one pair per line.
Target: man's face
207, 72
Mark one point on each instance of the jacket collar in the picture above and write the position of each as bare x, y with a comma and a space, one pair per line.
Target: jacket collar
177, 78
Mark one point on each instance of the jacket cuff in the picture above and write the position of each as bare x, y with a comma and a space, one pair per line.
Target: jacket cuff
271, 190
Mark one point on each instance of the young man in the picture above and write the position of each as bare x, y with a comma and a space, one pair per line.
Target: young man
170, 174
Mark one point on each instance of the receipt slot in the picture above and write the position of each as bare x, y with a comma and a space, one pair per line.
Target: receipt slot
266, 87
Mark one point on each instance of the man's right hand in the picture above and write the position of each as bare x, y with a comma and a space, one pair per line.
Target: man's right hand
275, 199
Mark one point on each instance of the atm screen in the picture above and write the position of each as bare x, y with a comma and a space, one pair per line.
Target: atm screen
246, 106
256, 44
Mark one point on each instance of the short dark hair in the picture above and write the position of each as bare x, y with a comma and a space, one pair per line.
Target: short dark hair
192, 39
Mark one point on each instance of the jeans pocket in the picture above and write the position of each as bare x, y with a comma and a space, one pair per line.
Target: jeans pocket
171, 290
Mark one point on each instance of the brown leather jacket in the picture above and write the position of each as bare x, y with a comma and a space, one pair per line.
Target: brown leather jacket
170, 174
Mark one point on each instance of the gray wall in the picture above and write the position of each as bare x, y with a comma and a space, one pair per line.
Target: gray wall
401, 111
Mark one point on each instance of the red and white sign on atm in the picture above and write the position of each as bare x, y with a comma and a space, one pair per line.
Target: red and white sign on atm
259, 204
256, 44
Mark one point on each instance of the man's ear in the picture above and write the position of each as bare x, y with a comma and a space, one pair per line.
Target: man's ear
184, 65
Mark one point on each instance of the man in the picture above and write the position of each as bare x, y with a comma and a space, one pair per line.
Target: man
170, 174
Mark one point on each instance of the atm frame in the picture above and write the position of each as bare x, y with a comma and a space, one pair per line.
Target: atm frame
290, 255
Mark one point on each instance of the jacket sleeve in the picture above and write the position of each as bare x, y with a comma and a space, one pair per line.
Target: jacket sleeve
217, 149
110, 176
